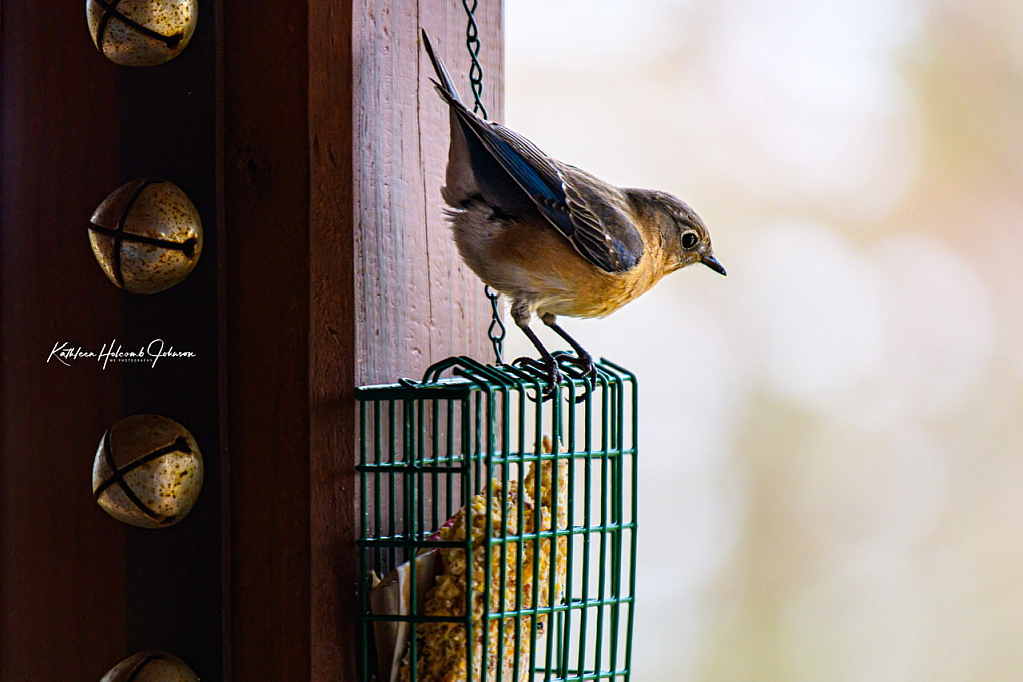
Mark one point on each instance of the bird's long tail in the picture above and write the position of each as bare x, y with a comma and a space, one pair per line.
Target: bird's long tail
445, 85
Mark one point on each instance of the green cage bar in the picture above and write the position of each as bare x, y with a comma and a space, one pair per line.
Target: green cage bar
487, 556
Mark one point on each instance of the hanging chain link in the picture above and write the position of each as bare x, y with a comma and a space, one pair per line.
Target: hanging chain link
497, 330
472, 42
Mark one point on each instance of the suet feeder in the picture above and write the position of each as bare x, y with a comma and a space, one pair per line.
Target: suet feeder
147, 235
498, 531
141, 32
151, 666
148, 471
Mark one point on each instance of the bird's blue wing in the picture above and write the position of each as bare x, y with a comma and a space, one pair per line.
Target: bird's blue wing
581, 207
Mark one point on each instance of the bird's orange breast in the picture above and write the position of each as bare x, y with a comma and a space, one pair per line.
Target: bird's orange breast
528, 260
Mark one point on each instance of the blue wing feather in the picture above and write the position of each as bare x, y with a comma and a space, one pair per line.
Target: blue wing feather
598, 230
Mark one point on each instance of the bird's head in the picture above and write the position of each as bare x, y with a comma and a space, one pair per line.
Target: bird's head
684, 237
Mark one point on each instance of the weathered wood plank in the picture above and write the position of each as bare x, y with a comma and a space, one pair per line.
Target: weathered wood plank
421, 303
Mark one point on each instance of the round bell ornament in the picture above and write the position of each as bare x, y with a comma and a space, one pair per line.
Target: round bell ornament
148, 471
151, 666
141, 32
147, 235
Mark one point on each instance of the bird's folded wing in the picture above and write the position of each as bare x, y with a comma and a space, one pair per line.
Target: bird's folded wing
581, 207
585, 210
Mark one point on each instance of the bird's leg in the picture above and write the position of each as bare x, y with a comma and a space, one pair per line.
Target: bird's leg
546, 366
583, 360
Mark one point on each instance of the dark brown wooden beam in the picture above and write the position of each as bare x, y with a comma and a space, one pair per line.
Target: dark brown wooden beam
62, 560
266, 207
332, 334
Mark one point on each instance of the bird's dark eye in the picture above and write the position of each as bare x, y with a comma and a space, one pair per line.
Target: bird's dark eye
689, 240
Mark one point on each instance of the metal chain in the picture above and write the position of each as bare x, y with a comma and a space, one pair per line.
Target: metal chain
472, 42
497, 330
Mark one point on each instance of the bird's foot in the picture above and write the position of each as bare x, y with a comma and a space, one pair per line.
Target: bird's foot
581, 366
545, 369
553, 371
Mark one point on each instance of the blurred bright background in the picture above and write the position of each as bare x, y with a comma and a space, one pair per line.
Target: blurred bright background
832, 436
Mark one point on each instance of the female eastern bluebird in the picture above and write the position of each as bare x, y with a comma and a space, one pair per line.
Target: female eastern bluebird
553, 238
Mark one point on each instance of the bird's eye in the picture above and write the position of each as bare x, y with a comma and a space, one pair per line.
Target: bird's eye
689, 240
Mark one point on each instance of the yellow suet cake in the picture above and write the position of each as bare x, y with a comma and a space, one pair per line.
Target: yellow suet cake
442, 646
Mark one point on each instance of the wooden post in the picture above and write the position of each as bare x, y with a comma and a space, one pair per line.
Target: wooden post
62, 566
341, 272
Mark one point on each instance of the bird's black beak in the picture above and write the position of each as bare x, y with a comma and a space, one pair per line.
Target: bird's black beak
713, 263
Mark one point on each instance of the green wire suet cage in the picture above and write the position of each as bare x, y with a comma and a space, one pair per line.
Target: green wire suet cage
498, 531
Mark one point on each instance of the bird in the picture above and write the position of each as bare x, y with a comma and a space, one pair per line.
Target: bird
552, 238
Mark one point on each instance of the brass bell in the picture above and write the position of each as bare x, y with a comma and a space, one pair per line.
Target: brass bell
148, 471
147, 235
141, 32
151, 666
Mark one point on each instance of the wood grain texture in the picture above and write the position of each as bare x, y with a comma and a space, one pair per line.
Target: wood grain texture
421, 303
62, 566
331, 343
340, 271
267, 338
388, 292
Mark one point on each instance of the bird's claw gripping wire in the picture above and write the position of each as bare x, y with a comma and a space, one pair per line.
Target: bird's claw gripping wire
580, 367
553, 370
547, 370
